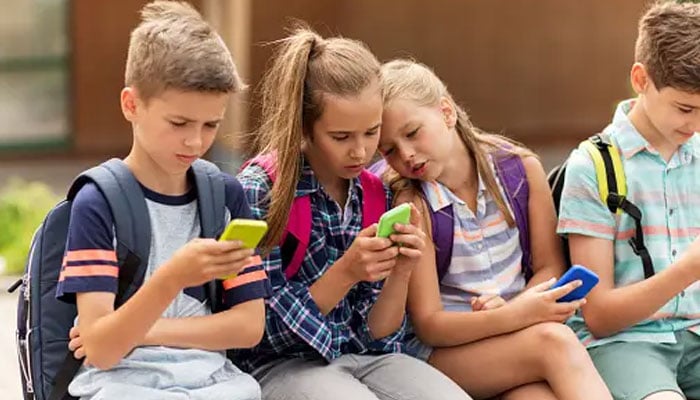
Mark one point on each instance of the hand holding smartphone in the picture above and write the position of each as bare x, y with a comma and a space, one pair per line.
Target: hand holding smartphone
400, 214
248, 231
577, 272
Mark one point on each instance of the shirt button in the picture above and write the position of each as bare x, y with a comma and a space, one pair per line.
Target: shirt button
670, 212
673, 253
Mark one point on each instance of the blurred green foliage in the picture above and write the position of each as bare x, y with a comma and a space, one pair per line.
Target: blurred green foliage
23, 206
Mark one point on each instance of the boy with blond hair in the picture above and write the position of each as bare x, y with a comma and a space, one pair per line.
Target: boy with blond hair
641, 328
164, 342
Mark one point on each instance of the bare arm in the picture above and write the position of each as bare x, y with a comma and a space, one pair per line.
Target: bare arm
434, 325
388, 313
108, 334
610, 309
242, 326
331, 287
369, 258
545, 245
437, 327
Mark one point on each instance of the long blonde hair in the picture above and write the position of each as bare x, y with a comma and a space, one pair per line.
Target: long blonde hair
304, 68
416, 82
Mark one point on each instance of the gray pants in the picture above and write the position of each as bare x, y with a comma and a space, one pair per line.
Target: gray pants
357, 377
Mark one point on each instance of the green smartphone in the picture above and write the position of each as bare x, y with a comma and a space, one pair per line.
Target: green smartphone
400, 214
248, 231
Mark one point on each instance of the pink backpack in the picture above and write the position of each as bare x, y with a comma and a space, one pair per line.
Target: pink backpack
297, 232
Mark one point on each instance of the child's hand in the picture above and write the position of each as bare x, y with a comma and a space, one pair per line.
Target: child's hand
369, 258
411, 242
539, 303
203, 260
487, 302
76, 345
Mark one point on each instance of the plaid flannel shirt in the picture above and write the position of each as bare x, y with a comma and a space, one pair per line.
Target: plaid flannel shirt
295, 326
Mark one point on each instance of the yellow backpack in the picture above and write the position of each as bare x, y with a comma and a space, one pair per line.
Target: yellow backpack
612, 188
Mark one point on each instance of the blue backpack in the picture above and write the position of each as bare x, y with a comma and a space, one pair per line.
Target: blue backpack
43, 322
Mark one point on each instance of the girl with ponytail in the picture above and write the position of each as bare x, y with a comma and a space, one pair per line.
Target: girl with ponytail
336, 319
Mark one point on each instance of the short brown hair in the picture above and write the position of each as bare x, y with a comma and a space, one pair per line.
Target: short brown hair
668, 45
174, 48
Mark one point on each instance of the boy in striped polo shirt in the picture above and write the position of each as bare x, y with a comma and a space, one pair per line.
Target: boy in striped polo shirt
643, 333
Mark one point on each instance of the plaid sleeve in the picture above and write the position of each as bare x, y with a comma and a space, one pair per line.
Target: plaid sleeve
292, 315
581, 211
251, 283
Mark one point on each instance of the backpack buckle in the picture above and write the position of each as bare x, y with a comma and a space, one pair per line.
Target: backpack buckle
614, 201
600, 140
633, 244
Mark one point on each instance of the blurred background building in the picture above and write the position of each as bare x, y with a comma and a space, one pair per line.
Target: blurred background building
545, 72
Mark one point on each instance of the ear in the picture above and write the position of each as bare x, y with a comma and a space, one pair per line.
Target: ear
129, 101
639, 78
447, 109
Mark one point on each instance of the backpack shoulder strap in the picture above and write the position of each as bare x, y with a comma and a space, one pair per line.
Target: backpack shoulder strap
608, 169
511, 173
211, 205
297, 235
612, 189
133, 231
373, 198
267, 162
131, 220
211, 197
442, 228
297, 232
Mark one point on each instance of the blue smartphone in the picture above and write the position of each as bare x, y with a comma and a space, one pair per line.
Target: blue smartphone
577, 272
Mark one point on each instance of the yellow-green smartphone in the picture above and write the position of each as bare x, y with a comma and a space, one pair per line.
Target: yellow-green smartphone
400, 214
248, 231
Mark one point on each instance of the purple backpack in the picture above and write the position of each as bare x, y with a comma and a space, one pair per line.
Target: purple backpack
511, 173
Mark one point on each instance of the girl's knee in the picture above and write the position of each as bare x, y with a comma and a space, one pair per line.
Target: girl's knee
552, 335
558, 347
